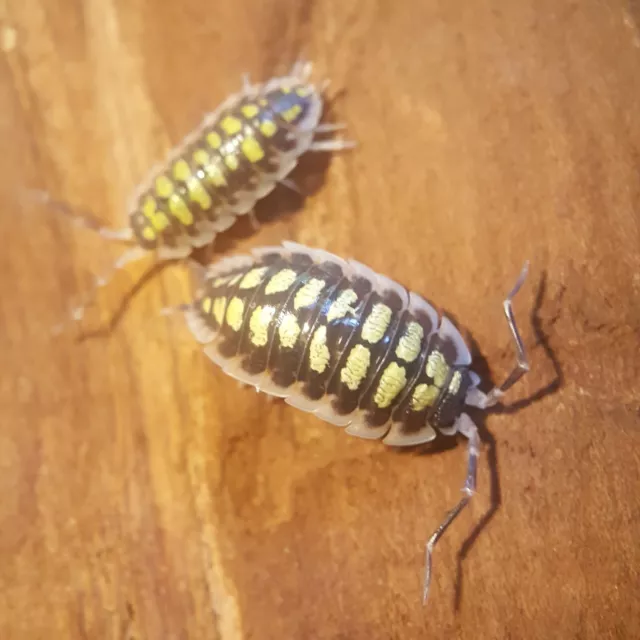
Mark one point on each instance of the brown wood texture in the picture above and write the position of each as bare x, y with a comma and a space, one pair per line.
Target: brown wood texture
145, 495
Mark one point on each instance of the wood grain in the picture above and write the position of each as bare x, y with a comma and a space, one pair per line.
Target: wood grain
146, 496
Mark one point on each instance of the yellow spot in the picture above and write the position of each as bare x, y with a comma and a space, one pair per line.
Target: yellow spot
454, 384
231, 160
262, 102
198, 194
252, 149
259, 325
218, 282
181, 171
201, 157
249, 110
149, 207
164, 187
206, 305
214, 140
180, 210
230, 125
253, 278
308, 294
437, 368
285, 90
235, 280
377, 323
160, 222
304, 91
235, 312
355, 368
268, 128
291, 113
215, 174
148, 233
288, 331
342, 305
281, 281
391, 383
219, 305
424, 396
319, 355
408, 347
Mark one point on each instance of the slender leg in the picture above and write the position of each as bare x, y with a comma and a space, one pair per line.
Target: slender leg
246, 83
467, 428
127, 257
522, 365
331, 145
330, 127
255, 223
290, 184
80, 219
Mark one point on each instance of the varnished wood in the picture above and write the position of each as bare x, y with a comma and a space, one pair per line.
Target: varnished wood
146, 496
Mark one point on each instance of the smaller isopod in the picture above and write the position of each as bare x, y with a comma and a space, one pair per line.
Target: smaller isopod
239, 153
352, 347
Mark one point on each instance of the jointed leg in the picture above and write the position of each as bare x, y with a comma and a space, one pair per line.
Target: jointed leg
467, 428
127, 257
522, 366
82, 220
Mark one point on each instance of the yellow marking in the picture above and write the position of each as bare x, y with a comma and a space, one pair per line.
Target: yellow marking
268, 128
259, 325
304, 91
230, 125
281, 281
181, 171
342, 305
408, 347
219, 305
262, 102
149, 207
235, 312
319, 355
355, 368
160, 222
231, 160
253, 278
454, 385
252, 149
214, 140
198, 194
180, 210
308, 294
215, 174
285, 90
391, 383
424, 395
221, 280
249, 110
288, 331
206, 305
235, 279
148, 233
437, 368
377, 323
201, 157
291, 113
164, 187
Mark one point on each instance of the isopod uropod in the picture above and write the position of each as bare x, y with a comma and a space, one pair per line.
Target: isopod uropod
240, 152
354, 348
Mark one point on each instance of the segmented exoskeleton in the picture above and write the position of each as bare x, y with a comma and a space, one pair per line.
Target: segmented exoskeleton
352, 347
237, 156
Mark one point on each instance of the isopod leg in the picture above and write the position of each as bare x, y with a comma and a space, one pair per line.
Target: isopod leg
133, 254
79, 219
332, 145
522, 365
467, 428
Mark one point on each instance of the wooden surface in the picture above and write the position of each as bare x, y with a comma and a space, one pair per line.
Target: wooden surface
145, 495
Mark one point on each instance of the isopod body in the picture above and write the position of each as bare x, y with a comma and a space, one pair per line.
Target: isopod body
351, 346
